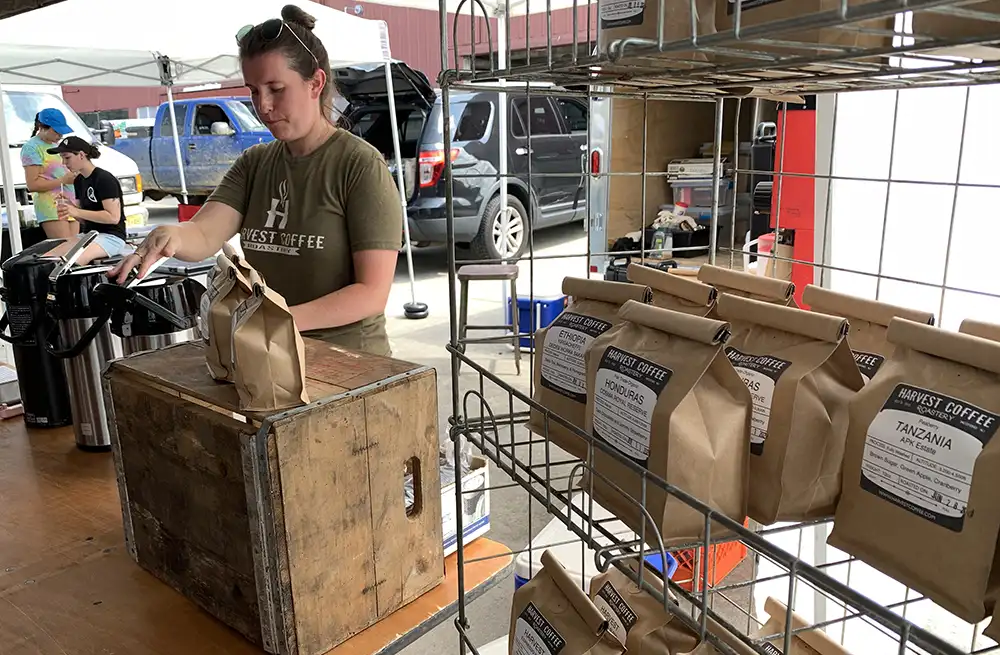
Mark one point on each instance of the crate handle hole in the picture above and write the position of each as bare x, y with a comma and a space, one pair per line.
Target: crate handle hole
411, 471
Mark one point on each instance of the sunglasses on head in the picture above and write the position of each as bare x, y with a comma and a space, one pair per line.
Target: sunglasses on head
270, 30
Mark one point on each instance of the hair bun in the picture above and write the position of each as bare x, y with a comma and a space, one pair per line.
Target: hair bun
294, 14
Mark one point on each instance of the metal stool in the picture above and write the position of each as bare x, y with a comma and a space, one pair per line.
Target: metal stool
475, 272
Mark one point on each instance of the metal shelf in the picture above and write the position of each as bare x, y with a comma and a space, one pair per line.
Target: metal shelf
770, 59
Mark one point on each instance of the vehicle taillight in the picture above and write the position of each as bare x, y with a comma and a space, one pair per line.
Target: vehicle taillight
595, 162
431, 164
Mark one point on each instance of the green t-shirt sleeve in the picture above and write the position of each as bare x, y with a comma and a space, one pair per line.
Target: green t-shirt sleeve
374, 215
234, 190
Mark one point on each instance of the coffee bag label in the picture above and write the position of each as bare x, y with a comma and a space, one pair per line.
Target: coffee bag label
621, 617
564, 367
760, 373
771, 649
920, 452
534, 635
622, 13
868, 363
625, 392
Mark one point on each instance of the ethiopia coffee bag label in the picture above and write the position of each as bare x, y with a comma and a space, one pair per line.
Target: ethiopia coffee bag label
564, 367
760, 373
868, 363
625, 392
621, 617
534, 635
920, 452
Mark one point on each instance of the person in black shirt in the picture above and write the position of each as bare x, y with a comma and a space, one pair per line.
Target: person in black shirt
99, 206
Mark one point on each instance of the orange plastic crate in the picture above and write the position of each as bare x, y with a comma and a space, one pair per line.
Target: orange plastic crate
722, 559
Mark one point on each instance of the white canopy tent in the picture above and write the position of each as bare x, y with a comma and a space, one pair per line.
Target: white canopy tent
191, 42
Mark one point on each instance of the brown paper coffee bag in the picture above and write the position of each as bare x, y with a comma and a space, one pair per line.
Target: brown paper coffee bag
674, 292
976, 328
244, 267
268, 355
920, 498
637, 619
719, 632
806, 642
552, 615
746, 285
802, 375
560, 368
225, 292
869, 321
665, 396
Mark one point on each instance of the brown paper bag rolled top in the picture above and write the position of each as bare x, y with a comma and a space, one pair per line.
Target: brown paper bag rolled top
921, 470
268, 355
225, 292
806, 642
976, 328
869, 321
552, 615
799, 369
665, 397
560, 368
747, 285
674, 292
637, 619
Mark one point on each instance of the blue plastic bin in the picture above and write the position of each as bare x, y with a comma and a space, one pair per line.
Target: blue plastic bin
547, 308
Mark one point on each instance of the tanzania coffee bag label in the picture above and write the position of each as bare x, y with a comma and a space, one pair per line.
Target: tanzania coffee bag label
760, 373
564, 367
621, 13
534, 635
625, 392
868, 363
621, 617
920, 452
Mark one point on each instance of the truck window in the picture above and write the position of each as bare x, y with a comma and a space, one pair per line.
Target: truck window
206, 115
574, 113
181, 111
539, 112
474, 121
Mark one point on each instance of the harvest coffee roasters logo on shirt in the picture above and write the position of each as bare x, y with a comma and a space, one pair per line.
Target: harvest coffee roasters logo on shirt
273, 238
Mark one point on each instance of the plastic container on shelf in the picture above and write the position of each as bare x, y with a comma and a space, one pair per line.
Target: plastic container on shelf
697, 192
578, 559
547, 308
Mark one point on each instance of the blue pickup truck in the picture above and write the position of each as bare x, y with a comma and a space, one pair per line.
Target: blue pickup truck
212, 133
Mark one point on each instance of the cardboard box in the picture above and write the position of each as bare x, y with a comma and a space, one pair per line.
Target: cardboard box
291, 528
476, 514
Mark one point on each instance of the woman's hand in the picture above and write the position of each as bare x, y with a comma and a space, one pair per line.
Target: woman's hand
67, 210
163, 241
67, 178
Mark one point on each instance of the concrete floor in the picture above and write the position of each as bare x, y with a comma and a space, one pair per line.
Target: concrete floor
513, 518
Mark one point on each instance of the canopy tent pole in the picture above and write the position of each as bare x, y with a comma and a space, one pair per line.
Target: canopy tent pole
177, 141
412, 309
10, 196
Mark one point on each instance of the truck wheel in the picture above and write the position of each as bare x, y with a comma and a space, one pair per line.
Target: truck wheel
502, 237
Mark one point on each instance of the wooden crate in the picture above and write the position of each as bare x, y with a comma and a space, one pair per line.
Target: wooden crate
292, 527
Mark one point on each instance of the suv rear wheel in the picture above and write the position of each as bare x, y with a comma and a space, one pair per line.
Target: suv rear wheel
502, 236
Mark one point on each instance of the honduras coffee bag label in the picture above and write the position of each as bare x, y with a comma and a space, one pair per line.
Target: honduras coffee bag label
625, 393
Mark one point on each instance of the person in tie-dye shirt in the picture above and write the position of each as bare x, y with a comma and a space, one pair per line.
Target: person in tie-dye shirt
46, 176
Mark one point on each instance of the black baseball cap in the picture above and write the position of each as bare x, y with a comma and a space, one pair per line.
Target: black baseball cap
70, 144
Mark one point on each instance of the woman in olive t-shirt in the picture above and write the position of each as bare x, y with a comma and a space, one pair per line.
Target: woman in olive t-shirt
317, 211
